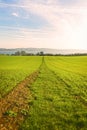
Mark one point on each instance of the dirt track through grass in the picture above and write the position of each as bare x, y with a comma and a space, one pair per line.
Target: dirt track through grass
14, 106
50, 103
55, 106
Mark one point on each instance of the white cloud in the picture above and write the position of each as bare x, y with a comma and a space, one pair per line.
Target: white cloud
15, 14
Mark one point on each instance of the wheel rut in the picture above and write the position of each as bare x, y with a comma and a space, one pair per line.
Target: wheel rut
14, 106
47, 94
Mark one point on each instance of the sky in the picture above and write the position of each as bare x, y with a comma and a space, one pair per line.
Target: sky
57, 24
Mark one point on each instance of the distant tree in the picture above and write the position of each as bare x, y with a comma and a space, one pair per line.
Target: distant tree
41, 53
17, 53
23, 53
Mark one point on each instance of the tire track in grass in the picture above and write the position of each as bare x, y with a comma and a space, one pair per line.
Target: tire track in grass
79, 94
14, 106
53, 107
74, 95
46, 110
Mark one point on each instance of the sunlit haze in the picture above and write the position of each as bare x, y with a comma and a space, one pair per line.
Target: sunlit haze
59, 24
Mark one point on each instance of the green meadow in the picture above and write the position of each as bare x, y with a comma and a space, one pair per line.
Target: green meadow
58, 99
14, 69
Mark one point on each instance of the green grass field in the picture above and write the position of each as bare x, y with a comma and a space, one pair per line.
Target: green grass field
14, 69
59, 95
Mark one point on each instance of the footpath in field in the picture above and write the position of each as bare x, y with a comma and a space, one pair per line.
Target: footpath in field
14, 107
53, 107
51, 103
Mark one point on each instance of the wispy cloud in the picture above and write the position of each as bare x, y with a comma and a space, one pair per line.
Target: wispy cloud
67, 23
15, 14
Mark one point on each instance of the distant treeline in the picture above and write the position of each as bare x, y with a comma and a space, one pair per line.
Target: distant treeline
23, 53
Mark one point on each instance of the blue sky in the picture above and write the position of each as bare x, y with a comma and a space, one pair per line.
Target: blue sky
58, 24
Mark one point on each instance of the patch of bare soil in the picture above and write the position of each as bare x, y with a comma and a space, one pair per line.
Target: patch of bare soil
14, 106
